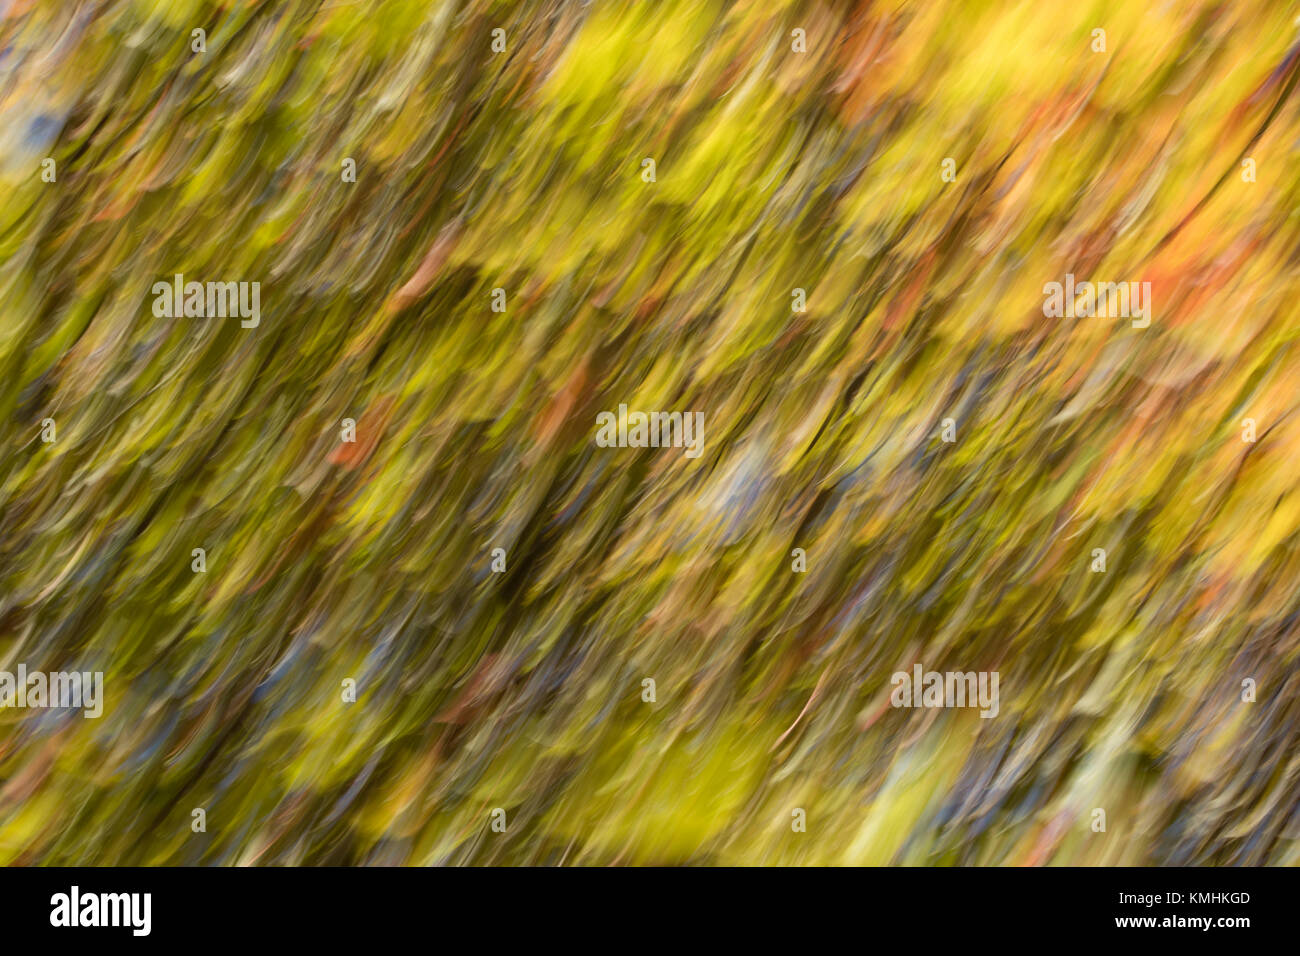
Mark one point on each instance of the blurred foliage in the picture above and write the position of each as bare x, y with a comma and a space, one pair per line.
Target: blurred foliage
775, 170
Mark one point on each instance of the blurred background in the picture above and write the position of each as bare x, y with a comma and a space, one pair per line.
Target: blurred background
796, 146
